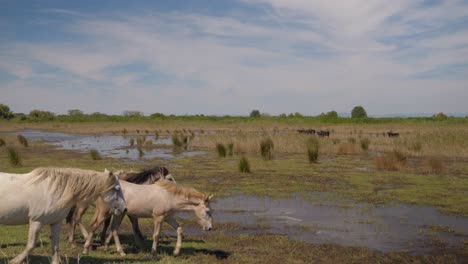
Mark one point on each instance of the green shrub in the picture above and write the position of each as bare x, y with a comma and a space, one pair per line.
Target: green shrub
244, 166
14, 157
22, 140
365, 143
266, 148
312, 149
95, 154
221, 149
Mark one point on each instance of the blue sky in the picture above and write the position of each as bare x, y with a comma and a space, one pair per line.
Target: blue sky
229, 57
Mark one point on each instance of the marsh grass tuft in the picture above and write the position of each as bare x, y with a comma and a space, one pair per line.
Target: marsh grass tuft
14, 157
392, 161
221, 149
312, 149
2, 142
140, 141
176, 141
352, 140
266, 148
347, 149
364, 143
141, 153
95, 154
230, 149
125, 131
132, 142
156, 135
435, 164
244, 165
22, 140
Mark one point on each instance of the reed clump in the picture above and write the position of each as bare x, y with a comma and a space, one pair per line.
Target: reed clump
95, 154
392, 161
230, 149
2, 142
312, 149
14, 157
435, 164
176, 141
266, 148
244, 165
347, 149
221, 149
132, 142
22, 140
141, 153
365, 142
124, 131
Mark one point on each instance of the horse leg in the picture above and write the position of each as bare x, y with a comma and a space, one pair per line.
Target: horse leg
179, 241
55, 230
136, 231
107, 222
34, 229
173, 223
97, 221
116, 220
157, 229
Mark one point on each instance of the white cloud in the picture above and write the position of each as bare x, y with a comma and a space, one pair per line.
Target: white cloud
306, 56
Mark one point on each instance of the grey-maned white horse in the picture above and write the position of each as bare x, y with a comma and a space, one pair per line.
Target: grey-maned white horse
161, 199
45, 195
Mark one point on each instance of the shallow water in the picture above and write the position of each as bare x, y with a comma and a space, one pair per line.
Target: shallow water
107, 145
385, 228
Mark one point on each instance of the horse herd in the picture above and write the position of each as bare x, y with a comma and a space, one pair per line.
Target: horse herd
326, 133
47, 196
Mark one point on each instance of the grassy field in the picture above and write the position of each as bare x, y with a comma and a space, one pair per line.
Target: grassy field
426, 165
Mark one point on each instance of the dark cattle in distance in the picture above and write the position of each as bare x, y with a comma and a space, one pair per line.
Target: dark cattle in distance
306, 131
391, 134
323, 133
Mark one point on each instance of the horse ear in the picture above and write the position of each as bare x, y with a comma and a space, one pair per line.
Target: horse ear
108, 172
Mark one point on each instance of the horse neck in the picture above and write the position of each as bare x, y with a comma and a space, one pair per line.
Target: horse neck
182, 203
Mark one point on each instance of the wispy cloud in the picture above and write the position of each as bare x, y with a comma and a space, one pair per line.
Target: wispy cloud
306, 56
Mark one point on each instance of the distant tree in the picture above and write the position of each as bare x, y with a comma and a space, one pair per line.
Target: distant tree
358, 112
297, 114
331, 114
133, 113
255, 113
75, 112
5, 112
157, 115
283, 115
440, 116
41, 114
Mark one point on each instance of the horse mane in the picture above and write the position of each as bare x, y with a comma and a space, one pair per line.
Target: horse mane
189, 193
71, 184
145, 174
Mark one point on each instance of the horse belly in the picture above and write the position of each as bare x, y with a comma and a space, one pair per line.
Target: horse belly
12, 215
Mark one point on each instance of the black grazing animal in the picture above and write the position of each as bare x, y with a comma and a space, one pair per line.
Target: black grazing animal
391, 134
306, 131
323, 133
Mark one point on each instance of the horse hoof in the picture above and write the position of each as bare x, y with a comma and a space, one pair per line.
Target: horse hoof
176, 253
85, 251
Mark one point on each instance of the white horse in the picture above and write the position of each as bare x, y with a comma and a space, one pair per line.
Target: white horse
45, 195
160, 200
